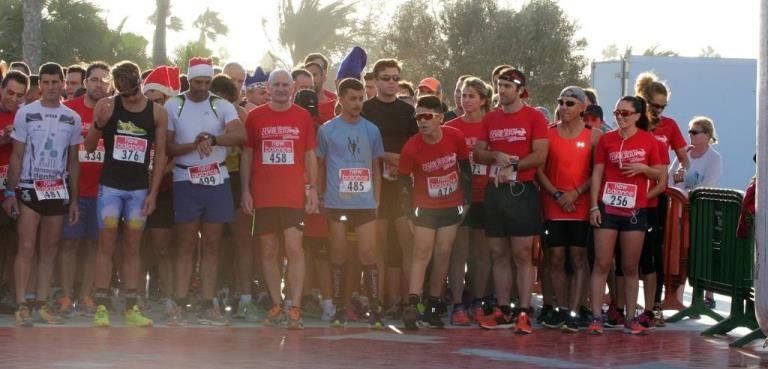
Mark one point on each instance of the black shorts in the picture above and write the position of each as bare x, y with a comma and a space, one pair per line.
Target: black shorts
389, 204
512, 210
475, 216
649, 255
317, 247
352, 218
234, 183
437, 218
560, 233
272, 220
638, 222
46, 208
162, 217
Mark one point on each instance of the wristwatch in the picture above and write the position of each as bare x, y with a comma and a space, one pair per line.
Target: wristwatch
557, 194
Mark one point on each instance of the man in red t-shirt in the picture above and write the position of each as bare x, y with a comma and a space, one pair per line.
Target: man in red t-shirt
86, 229
515, 144
12, 90
278, 153
438, 159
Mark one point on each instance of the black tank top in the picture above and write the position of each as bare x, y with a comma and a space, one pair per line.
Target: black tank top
128, 138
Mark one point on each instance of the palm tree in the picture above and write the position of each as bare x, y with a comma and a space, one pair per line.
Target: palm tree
31, 38
654, 51
163, 21
210, 26
313, 28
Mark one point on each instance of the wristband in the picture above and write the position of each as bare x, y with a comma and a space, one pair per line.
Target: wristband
9, 193
594, 208
557, 194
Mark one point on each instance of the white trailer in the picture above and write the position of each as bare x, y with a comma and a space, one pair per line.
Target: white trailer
720, 88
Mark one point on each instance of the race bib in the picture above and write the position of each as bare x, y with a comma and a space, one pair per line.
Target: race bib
130, 149
620, 195
480, 169
277, 152
206, 175
3, 176
355, 180
494, 171
390, 172
51, 189
97, 156
442, 186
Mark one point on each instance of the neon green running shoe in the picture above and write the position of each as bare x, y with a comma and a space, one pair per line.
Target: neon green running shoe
101, 318
134, 318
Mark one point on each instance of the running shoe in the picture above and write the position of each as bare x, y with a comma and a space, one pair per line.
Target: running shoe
493, 315
634, 327
556, 319
571, 324
65, 306
294, 318
658, 317
247, 311
596, 327
86, 306
340, 318
134, 318
646, 320
394, 311
523, 324
459, 316
545, 314
351, 312
175, 317
478, 312
101, 317
45, 315
432, 320
374, 318
329, 311
23, 318
585, 317
615, 318
410, 317
213, 317
275, 316
499, 320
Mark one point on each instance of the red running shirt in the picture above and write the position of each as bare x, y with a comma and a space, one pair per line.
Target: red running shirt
668, 133
279, 140
6, 119
620, 194
435, 168
472, 131
514, 133
569, 164
90, 164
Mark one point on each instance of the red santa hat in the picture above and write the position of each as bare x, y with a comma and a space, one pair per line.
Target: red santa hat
200, 67
164, 79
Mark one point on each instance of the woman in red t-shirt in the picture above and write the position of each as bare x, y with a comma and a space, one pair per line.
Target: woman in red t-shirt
626, 160
475, 101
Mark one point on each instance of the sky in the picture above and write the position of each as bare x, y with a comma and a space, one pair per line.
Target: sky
683, 26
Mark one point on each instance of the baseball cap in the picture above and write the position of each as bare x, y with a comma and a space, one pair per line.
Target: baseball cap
430, 83
595, 110
574, 92
515, 76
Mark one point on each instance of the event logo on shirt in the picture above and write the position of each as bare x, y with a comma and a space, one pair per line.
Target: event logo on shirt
627, 156
508, 134
445, 162
353, 145
34, 117
287, 132
662, 139
66, 119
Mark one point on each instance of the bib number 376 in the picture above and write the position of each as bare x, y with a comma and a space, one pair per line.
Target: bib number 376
130, 149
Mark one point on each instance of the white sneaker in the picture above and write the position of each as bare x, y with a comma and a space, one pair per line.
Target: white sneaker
329, 311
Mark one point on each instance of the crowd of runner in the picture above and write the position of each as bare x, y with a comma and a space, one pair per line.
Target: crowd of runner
221, 194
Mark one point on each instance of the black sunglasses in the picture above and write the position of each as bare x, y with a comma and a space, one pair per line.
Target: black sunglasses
568, 103
695, 132
387, 77
658, 106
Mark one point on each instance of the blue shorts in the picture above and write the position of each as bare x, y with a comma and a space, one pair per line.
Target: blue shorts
87, 227
115, 205
193, 201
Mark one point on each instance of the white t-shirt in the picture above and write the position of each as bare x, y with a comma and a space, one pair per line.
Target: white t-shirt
194, 117
48, 133
704, 171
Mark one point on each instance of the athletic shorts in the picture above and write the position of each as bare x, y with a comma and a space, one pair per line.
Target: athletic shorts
560, 233
389, 205
475, 216
273, 220
234, 182
648, 257
437, 218
512, 210
162, 217
638, 222
194, 201
115, 205
352, 218
28, 197
87, 226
